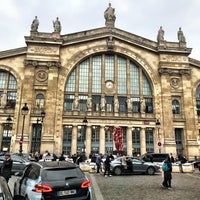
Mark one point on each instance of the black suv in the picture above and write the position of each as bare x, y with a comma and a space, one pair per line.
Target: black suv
53, 180
154, 157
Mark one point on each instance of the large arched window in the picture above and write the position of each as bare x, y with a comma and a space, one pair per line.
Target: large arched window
198, 100
8, 89
105, 76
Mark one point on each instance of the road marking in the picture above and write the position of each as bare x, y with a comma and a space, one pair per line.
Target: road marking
95, 186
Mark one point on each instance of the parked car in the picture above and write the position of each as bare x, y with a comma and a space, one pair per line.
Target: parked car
19, 163
196, 163
53, 180
5, 193
156, 157
135, 166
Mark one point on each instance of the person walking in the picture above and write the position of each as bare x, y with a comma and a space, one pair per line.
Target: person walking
98, 162
107, 166
7, 167
167, 172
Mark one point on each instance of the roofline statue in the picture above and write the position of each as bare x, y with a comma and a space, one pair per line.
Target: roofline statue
109, 16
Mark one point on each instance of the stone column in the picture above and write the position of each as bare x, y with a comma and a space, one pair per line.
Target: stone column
155, 140
102, 140
88, 141
142, 141
129, 141
74, 140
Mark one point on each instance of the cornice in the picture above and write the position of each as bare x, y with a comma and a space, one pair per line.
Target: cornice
13, 52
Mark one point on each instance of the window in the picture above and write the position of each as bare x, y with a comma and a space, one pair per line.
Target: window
40, 101
8, 89
198, 100
67, 139
89, 77
149, 140
175, 107
178, 140
136, 140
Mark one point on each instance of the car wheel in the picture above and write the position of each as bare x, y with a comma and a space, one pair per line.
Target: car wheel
151, 171
117, 171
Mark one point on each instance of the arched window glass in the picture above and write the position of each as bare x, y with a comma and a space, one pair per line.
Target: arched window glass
134, 79
70, 86
39, 101
109, 67
122, 80
198, 100
146, 85
175, 107
84, 76
124, 76
8, 89
96, 74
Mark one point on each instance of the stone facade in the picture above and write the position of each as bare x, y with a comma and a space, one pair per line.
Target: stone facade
44, 65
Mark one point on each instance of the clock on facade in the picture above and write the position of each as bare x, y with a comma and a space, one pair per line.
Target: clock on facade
109, 84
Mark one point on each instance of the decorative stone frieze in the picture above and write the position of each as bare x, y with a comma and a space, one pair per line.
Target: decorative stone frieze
178, 72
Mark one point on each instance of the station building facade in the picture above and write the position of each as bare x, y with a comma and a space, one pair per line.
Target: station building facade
89, 81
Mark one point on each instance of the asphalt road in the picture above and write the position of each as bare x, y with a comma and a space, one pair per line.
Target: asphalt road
142, 187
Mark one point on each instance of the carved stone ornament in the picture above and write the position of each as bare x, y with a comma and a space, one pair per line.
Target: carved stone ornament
175, 82
41, 75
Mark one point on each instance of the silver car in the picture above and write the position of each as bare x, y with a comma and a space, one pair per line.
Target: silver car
134, 166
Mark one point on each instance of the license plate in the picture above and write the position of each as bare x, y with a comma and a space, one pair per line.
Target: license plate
66, 192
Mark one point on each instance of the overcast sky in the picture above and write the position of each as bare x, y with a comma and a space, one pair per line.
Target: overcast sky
141, 17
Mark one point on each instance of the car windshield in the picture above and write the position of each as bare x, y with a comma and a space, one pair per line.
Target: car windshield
61, 174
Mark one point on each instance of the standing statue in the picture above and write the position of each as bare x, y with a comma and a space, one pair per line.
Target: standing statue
57, 25
75, 103
35, 24
129, 104
181, 37
160, 37
109, 15
116, 104
3, 99
103, 103
142, 105
89, 103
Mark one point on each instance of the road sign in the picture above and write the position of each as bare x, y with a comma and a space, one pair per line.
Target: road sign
159, 144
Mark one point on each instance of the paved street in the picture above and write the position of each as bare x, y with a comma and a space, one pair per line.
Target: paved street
142, 187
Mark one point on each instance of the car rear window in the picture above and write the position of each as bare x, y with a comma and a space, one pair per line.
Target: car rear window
61, 174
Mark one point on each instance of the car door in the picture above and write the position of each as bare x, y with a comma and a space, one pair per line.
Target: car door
29, 180
138, 166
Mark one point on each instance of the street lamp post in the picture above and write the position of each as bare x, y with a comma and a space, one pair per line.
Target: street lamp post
159, 141
85, 121
7, 139
36, 131
24, 113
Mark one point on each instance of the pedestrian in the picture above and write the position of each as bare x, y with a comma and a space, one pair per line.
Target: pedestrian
7, 167
62, 157
172, 158
98, 162
107, 166
167, 173
124, 162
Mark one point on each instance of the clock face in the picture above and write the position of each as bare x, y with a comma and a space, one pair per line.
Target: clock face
109, 84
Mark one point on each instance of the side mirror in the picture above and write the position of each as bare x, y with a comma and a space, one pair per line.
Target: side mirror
19, 197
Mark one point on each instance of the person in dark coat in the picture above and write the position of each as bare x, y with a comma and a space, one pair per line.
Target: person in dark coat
107, 166
167, 174
7, 167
